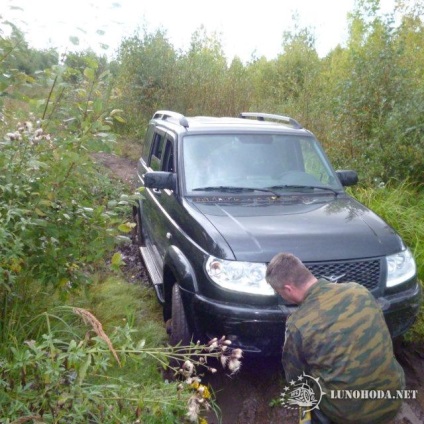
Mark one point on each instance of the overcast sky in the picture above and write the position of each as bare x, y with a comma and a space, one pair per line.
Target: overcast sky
244, 26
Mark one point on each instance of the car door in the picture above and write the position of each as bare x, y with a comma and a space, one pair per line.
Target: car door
166, 200
150, 209
157, 204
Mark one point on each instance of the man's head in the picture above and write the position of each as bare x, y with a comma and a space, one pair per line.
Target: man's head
289, 277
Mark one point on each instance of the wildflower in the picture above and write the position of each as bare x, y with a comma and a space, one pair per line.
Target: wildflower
237, 353
213, 344
194, 384
193, 409
203, 391
234, 365
193, 381
188, 368
28, 126
224, 359
30, 343
14, 136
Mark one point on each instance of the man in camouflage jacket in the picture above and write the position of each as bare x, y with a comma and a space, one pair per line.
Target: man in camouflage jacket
339, 335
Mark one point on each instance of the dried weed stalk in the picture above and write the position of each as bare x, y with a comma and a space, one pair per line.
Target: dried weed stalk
96, 325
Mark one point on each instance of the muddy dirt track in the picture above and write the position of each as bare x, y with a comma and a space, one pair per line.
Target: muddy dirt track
245, 398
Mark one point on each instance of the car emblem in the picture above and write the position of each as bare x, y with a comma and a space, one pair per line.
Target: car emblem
333, 278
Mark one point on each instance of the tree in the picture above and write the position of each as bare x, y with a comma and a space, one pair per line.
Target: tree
145, 76
375, 92
201, 75
17, 55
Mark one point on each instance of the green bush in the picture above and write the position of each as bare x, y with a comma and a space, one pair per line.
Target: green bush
60, 221
76, 374
402, 206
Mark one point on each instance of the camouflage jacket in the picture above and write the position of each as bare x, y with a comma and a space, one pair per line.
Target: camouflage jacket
339, 335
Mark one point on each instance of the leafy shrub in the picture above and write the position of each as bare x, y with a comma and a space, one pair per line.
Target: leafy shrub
67, 375
402, 206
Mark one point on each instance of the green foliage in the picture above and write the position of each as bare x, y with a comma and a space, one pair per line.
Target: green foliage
402, 206
58, 216
289, 84
69, 374
76, 64
60, 220
376, 97
16, 55
201, 76
145, 76
363, 101
54, 217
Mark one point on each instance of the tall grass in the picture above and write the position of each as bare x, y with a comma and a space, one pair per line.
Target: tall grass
401, 205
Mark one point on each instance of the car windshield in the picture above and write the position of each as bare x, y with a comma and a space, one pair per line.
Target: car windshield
276, 162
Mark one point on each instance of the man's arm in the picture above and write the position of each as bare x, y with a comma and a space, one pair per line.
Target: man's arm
293, 356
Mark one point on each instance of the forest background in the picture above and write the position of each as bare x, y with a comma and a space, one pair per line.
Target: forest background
60, 217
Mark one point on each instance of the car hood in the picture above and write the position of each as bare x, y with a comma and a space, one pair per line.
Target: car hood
312, 228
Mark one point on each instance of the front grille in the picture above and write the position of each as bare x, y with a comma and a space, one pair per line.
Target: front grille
367, 272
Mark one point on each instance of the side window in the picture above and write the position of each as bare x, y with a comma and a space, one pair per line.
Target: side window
314, 163
147, 144
157, 149
168, 157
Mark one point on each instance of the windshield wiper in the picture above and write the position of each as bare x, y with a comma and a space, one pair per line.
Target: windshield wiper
235, 189
279, 187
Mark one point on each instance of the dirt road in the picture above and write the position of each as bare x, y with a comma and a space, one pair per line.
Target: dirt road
246, 397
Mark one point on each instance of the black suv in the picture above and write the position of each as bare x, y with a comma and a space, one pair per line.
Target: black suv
223, 196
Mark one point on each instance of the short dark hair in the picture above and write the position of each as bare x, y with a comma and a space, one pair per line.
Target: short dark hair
286, 268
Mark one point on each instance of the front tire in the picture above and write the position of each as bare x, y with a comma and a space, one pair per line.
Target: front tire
180, 332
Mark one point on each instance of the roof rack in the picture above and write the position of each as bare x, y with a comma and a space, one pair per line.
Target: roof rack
165, 114
268, 116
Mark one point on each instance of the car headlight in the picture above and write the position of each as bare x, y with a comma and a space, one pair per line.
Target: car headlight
400, 268
247, 277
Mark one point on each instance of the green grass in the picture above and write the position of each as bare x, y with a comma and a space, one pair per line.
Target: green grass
115, 301
402, 207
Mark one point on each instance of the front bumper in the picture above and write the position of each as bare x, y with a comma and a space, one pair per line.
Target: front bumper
401, 309
260, 330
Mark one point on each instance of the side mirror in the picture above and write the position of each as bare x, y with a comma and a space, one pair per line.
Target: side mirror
160, 180
348, 178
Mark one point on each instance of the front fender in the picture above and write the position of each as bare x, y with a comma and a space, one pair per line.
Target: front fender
177, 269
181, 269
